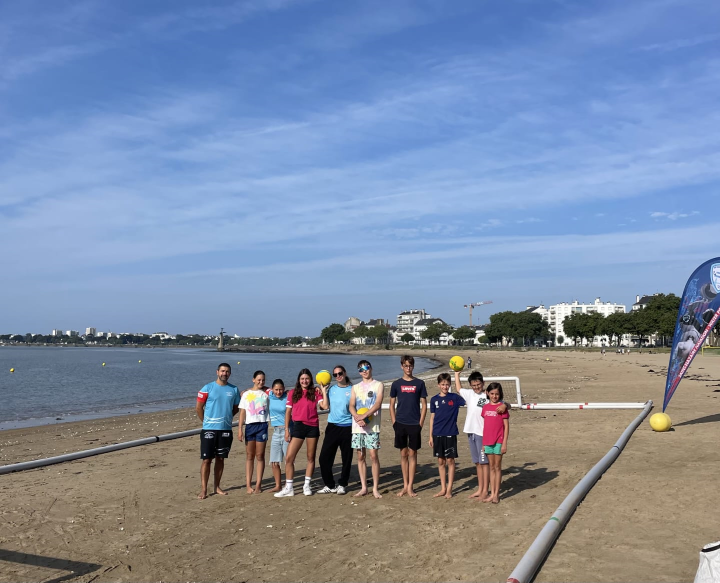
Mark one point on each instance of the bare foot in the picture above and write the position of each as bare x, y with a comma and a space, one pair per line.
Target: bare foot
202, 495
495, 501
449, 494
249, 490
219, 491
487, 499
440, 494
257, 490
276, 489
477, 494
411, 493
401, 493
362, 492
377, 494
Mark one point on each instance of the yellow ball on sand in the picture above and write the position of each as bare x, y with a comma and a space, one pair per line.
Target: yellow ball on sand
457, 363
12, 370
660, 422
323, 377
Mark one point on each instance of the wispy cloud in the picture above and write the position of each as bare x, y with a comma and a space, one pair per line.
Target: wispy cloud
673, 216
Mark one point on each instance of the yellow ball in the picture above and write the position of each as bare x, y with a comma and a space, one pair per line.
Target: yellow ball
660, 422
364, 410
457, 363
103, 364
323, 377
238, 362
139, 360
12, 370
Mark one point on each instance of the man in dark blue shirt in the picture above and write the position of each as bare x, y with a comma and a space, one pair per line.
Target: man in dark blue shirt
410, 396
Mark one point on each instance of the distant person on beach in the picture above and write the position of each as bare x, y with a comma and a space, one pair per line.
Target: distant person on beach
469, 362
497, 433
410, 396
302, 407
475, 398
253, 429
444, 408
338, 434
217, 404
277, 400
366, 408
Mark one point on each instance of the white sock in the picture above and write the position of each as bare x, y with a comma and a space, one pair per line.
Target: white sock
307, 480
288, 483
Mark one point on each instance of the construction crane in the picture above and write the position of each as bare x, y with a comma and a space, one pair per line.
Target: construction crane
475, 305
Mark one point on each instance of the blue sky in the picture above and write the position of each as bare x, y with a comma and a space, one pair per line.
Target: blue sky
272, 166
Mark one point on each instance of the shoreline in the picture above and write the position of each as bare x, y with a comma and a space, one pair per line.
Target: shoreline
155, 408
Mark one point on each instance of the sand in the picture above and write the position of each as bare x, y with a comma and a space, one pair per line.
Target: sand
134, 515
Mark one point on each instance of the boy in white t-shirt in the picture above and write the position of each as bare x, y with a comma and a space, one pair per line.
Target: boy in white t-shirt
475, 397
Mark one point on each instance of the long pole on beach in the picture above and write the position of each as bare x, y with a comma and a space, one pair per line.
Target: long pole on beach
530, 563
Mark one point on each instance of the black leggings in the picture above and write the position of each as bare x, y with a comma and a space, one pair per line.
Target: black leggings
336, 437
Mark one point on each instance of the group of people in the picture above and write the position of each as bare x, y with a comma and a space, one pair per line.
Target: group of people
353, 425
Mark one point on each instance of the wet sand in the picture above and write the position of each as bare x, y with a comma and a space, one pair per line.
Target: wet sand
134, 515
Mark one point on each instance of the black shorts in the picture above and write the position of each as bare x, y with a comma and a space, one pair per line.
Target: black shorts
215, 443
445, 446
303, 431
407, 436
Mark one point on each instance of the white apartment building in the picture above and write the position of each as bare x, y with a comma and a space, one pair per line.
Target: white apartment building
72, 333
56, 332
556, 314
406, 320
89, 331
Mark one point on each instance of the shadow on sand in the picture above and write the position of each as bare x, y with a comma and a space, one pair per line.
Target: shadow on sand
74, 568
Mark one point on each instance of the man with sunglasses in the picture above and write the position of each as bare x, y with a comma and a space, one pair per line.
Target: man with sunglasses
410, 395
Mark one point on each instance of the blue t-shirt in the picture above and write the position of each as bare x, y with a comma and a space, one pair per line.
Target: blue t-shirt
408, 395
277, 409
340, 405
219, 404
446, 413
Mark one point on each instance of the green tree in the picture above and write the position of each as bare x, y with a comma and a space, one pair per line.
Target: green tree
407, 337
435, 331
463, 333
641, 324
378, 334
361, 332
614, 326
330, 333
560, 340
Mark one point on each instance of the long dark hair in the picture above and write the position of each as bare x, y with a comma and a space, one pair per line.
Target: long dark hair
494, 386
298, 390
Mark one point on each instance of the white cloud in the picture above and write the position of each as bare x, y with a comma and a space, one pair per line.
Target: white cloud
673, 216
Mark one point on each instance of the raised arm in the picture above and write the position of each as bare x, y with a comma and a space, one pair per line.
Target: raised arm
325, 403
458, 384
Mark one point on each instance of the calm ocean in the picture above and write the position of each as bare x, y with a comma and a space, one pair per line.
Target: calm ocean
71, 383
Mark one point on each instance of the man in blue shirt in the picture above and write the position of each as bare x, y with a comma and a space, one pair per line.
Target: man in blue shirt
410, 395
217, 403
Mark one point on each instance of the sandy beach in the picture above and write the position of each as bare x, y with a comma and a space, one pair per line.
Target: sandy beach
134, 515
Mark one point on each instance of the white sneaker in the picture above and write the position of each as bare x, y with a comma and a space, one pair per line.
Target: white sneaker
307, 490
286, 491
327, 490
340, 490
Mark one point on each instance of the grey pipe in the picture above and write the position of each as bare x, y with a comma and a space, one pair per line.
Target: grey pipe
68, 457
530, 563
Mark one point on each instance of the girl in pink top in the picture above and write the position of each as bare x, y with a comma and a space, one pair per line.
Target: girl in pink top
302, 404
495, 438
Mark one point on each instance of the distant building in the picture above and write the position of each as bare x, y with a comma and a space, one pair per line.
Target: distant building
421, 325
56, 332
351, 323
555, 316
376, 322
641, 302
72, 333
90, 331
406, 320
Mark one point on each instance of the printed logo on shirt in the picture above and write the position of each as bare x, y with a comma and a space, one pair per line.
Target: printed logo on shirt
451, 403
407, 388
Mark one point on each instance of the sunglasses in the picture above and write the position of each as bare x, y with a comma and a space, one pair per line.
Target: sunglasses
338, 374
363, 368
